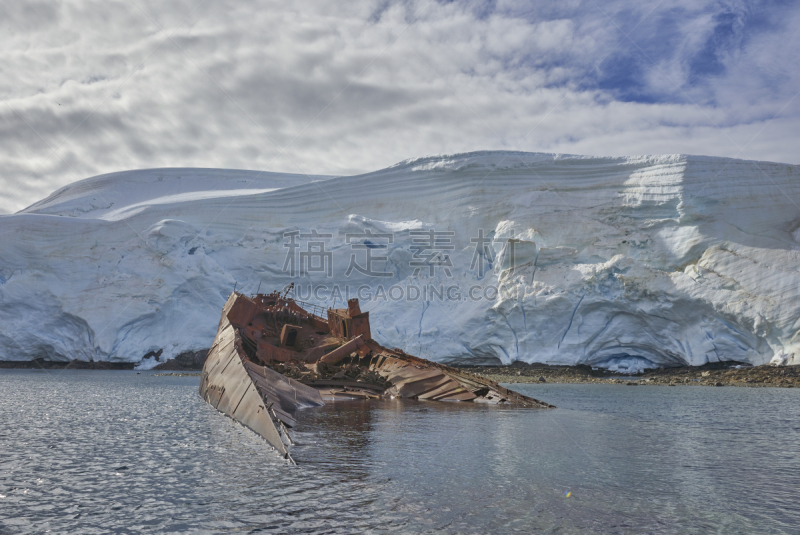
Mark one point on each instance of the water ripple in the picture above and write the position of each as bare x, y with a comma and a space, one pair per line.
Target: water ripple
116, 452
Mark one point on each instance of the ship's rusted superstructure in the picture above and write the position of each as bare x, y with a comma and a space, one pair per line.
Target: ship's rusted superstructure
274, 355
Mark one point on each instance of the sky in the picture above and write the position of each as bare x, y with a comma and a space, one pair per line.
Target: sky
336, 88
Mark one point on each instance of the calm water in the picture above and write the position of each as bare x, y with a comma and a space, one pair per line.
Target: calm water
100, 452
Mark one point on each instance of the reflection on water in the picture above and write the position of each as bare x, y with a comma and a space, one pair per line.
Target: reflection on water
99, 452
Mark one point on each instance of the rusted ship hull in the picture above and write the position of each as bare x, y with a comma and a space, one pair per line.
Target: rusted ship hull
273, 355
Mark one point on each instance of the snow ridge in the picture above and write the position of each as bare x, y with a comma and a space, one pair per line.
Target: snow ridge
617, 262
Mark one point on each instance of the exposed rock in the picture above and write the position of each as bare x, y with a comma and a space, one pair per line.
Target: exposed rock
188, 360
715, 374
154, 354
74, 364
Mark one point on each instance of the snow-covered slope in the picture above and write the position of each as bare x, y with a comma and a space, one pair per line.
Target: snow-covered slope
614, 262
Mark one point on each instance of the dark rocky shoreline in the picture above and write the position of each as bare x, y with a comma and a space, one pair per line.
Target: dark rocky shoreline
65, 365
715, 374
186, 361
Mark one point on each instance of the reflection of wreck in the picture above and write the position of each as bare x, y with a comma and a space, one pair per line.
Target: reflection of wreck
273, 355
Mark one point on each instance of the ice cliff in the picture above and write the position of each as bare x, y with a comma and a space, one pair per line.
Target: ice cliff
613, 262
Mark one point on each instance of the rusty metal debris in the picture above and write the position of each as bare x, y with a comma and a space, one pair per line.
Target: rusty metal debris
273, 355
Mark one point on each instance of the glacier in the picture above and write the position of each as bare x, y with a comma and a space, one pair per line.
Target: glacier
616, 262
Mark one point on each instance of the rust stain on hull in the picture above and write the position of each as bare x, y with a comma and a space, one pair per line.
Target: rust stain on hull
274, 355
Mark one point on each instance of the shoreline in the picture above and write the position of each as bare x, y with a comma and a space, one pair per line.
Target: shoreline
188, 361
75, 364
715, 374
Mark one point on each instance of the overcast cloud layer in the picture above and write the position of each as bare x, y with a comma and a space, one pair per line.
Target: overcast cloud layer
320, 87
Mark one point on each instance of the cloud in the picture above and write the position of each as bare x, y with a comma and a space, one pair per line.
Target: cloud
341, 88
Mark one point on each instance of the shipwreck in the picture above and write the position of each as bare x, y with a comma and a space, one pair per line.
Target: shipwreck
273, 355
